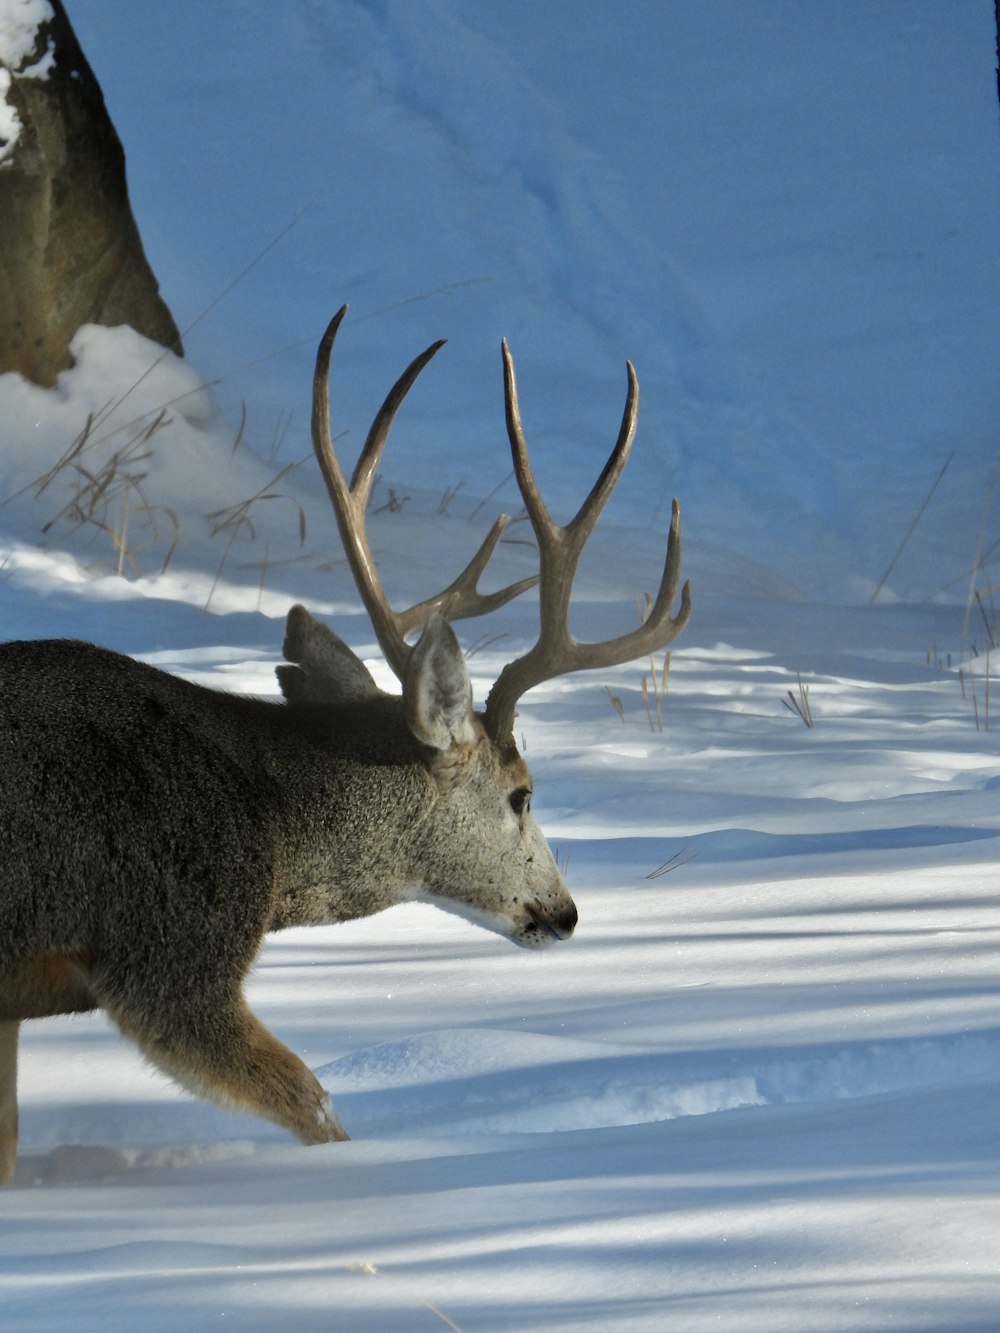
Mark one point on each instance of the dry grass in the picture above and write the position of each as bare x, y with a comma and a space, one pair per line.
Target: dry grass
672, 863
109, 497
616, 703
653, 684
237, 521
799, 703
374, 1271
976, 685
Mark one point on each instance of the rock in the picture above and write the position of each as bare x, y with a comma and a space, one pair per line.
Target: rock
71, 251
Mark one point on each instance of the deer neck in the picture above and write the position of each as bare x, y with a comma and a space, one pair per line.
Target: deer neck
355, 795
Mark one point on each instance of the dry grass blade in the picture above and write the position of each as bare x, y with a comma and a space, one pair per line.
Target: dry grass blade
236, 520
171, 549
989, 620
616, 703
394, 503
487, 498
654, 688
680, 858
911, 529
235, 513
483, 642
655, 722
374, 1271
799, 703
982, 554
449, 494
509, 539
967, 679
238, 438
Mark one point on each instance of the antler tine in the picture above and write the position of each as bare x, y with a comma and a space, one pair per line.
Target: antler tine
461, 600
659, 627
590, 511
556, 652
533, 502
350, 502
371, 454
349, 509
579, 528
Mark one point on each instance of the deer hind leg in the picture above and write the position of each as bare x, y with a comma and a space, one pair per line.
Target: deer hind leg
33, 988
8, 1100
236, 1062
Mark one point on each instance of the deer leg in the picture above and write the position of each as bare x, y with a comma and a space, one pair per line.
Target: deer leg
8, 1100
229, 1057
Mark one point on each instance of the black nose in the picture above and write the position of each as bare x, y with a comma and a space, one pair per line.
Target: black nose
565, 921
561, 922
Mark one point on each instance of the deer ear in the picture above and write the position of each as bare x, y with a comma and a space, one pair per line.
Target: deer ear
437, 695
326, 671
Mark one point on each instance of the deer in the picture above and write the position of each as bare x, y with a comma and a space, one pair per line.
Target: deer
154, 831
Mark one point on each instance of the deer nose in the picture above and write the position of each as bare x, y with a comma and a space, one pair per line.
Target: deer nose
560, 922
565, 921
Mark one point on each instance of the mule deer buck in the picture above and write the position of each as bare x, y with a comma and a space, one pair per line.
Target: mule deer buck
153, 831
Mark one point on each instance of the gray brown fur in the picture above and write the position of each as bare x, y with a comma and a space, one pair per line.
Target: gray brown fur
153, 831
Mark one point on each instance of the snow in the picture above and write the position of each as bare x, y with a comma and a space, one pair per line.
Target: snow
19, 24
757, 1090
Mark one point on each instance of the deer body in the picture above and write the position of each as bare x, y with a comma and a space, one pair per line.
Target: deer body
152, 831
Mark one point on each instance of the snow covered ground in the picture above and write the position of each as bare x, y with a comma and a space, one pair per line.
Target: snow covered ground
758, 1089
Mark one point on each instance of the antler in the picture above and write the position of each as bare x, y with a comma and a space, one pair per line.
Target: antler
461, 598
556, 653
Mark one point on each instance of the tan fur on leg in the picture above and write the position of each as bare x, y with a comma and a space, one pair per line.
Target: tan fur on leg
244, 1067
8, 1100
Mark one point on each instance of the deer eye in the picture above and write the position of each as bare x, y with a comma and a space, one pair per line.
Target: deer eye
520, 800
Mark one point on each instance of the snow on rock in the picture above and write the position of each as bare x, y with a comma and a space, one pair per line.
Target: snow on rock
19, 24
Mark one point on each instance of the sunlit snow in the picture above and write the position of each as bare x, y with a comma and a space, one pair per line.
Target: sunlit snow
758, 1089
